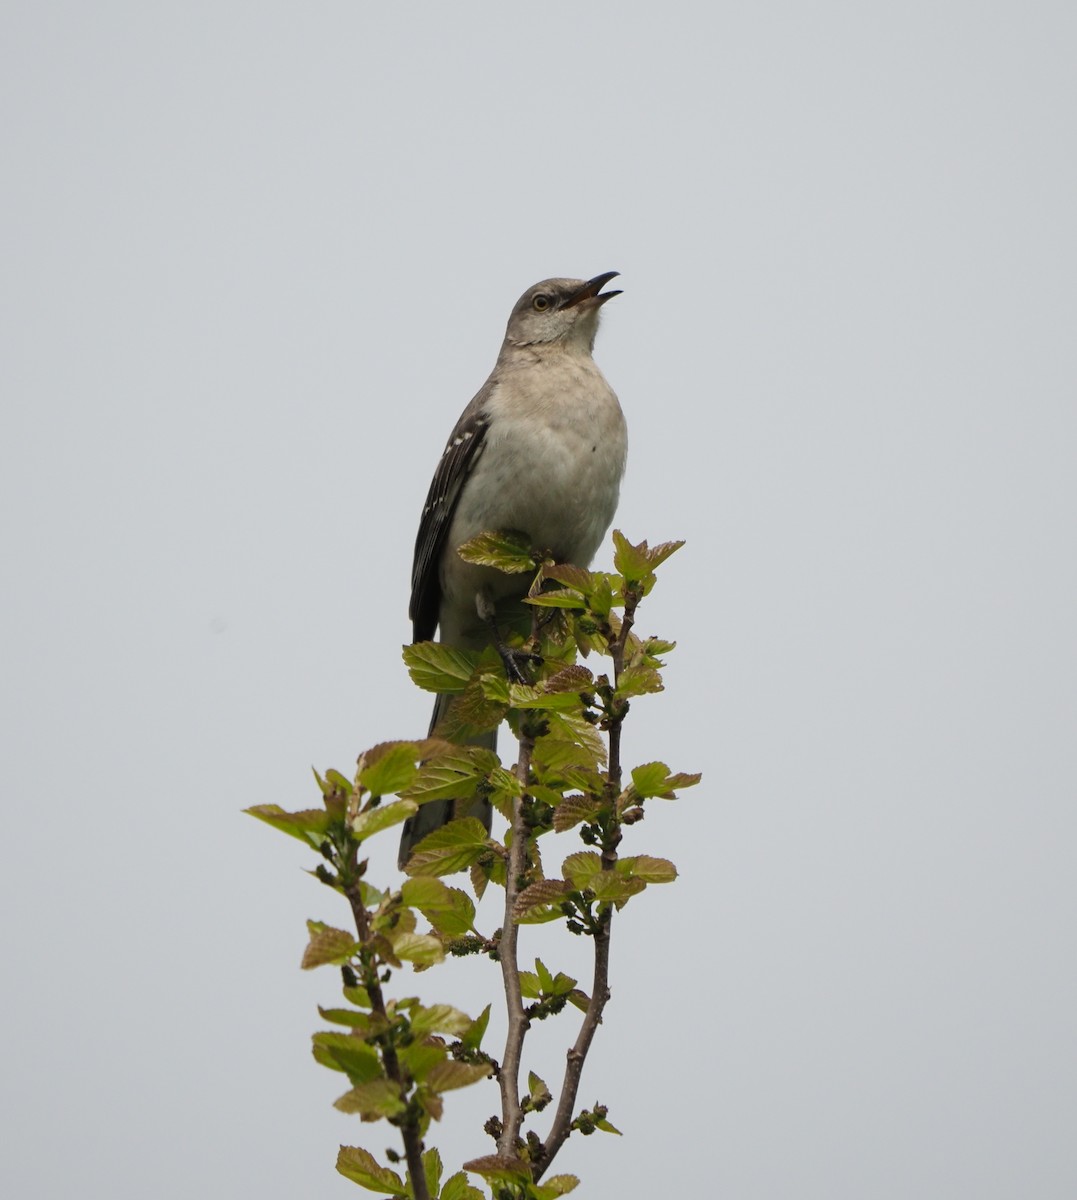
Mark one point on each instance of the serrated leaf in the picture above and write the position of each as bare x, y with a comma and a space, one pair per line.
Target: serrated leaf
348, 1053
374, 820
378, 1098
544, 977
613, 888
439, 1018
361, 1167
569, 739
572, 811
422, 949
681, 779
540, 902
452, 848
635, 563
556, 1185
582, 868
537, 1089
558, 599
358, 996
506, 550
309, 826
651, 870
523, 695
571, 576
639, 680
448, 1076
457, 1188
454, 776
327, 945
420, 1057
345, 1016
530, 988
432, 1170
388, 767
436, 667
471, 1039
500, 1168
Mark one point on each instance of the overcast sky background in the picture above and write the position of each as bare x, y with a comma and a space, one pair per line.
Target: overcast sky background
256, 258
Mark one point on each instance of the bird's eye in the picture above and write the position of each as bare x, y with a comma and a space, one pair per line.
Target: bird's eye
540, 303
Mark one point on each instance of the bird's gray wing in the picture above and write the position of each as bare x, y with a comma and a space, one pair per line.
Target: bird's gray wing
457, 462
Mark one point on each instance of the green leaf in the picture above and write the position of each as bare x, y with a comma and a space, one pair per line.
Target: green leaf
450, 910
606, 1127
378, 1098
635, 563
573, 810
358, 996
345, 1016
639, 680
454, 847
432, 1170
419, 1058
651, 870
453, 776
388, 767
327, 945
523, 695
613, 888
374, 820
439, 1018
507, 550
559, 599
544, 976
471, 1039
457, 1188
309, 826
582, 869
654, 779
530, 988
422, 949
361, 1167
537, 1089
348, 1053
435, 667
448, 1076
556, 1185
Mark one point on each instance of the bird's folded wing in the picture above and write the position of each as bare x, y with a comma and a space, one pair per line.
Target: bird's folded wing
461, 453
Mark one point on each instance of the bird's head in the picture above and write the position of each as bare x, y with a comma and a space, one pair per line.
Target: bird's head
559, 310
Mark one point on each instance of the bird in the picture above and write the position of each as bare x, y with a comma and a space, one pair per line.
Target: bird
541, 449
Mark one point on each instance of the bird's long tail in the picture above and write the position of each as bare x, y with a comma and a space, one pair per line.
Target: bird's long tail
437, 813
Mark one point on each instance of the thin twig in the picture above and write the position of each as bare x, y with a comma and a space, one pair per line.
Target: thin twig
409, 1129
600, 991
509, 1077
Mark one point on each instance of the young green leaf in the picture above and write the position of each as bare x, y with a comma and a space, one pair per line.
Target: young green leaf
374, 820
439, 1018
507, 550
309, 826
348, 1053
327, 945
454, 847
361, 1167
435, 667
419, 948
432, 1170
448, 1076
388, 767
378, 1098
471, 1039
457, 1188
540, 902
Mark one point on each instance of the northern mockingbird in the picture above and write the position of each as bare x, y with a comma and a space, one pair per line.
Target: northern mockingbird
540, 449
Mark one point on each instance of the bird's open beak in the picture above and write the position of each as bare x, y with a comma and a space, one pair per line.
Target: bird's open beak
591, 294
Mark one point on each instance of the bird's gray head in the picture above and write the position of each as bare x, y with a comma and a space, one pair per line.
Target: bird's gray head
559, 310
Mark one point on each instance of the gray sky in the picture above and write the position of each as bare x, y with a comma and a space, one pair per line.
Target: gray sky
256, 259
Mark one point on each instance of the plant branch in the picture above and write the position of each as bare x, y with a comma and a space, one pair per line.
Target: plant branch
509, 1076
409, 1127
600, 990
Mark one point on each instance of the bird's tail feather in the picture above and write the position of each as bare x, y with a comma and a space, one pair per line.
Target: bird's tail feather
437, 813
